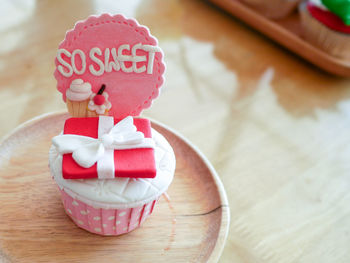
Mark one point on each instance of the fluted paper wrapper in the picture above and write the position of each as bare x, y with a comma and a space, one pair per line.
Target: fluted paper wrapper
106, 222
77, 108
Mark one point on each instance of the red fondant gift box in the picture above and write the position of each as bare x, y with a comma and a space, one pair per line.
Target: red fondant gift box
135, 161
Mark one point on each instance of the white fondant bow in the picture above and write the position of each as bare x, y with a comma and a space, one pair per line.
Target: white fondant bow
86, 151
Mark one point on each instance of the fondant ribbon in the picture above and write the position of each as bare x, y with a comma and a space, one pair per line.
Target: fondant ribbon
87, 151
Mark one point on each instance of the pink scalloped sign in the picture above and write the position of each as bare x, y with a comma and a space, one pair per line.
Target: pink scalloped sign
116, 52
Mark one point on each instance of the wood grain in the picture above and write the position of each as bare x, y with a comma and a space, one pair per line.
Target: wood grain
191, 226
287, 32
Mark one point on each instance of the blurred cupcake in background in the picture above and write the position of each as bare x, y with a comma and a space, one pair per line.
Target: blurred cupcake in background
77, 98
326, 24
274, 9
99, 104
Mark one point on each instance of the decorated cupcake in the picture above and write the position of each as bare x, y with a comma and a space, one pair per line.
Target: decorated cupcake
99, 104
111, 170
326, 24
77, 98
274, 9
114, 203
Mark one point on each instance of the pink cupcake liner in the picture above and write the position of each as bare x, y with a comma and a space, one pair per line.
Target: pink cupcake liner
106, 222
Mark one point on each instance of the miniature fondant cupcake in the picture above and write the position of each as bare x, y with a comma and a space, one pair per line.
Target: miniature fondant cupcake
326, 24
77, 98
99, 104
274, 9
110, 170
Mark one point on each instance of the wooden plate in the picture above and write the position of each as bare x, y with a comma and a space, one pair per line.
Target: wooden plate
190, 226
287, 32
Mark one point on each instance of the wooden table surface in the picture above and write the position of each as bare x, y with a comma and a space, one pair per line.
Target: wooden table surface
276, 128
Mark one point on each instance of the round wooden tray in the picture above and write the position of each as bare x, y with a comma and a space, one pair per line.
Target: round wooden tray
189, 226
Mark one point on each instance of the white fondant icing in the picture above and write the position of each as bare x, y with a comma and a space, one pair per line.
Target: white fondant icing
124, 58
111, 64
78, 85
101, 64
83, 62
79, 90
138, 59
65, 73
151, 53
119, 193
105, 166
95, 59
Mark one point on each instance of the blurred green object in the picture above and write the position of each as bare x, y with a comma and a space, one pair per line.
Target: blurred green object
339, 7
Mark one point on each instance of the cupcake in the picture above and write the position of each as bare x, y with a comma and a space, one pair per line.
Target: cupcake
77, 98
274, 9
110, 166
114, 206
98, 103
326, 24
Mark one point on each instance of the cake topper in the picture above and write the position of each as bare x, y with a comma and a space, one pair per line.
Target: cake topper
114, 53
